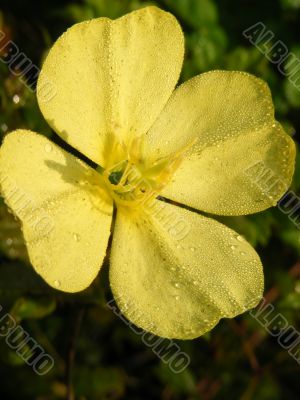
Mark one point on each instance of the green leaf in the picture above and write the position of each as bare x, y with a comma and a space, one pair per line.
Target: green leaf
30, 308
17, 279
290, 4
291, 82
196, 13
11, 237
179, 383
205, 48
99, 383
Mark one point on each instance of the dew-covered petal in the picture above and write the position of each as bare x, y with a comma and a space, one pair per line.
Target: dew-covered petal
243, 175
104, 79
177, 273
240, 160
65, 212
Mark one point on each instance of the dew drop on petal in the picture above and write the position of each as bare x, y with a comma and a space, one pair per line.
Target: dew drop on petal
57, 284
76, 237
48, 148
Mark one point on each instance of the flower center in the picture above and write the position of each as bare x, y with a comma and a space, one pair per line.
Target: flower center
133, 182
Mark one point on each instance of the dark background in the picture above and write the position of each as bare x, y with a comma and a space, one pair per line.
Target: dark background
238, 359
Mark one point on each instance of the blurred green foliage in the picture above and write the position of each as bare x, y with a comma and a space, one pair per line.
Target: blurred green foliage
238, 359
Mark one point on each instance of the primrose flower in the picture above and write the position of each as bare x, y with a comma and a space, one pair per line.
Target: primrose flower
161, 153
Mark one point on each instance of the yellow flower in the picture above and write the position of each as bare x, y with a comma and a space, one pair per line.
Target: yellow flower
172, 271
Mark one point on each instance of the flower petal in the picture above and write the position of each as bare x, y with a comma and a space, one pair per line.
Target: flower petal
242, 161
177, 282
110, 78
65, 213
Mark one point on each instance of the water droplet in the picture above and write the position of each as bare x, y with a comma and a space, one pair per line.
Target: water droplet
57, 284
9, 242
177, 285
189, 331
4, 127
240, 238
48, 148
173, 269
192, 248
76, 237
195, 283
177, 297
13, 253
242, 253
297, 288
16, 99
